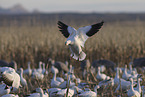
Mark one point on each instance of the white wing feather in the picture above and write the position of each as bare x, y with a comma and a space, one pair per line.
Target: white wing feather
82, 34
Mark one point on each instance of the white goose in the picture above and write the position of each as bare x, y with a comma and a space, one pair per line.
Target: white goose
138, 87
28, 71
10, 95
52, 92
76, 38
89, 93
11, 78
39, 70
39, 93
62, 93
37, 75
54, 82
131, 92
22, 79
124, 84
101, 76
125, 75
55, 71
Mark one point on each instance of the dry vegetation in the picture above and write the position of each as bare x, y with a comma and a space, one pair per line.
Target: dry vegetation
34, 41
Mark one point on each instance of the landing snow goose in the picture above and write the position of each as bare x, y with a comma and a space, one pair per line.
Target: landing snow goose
76, 38
62, 93
131, 92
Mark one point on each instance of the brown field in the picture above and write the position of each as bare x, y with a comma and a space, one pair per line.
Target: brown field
34, 41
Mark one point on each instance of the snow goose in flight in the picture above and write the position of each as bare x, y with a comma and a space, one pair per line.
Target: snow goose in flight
76, 38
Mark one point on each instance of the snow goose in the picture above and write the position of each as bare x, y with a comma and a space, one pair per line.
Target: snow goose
39, 70
54, 82
138, 87
39, 93
76, 38
22, 79
4, 89
10, 95
52, 92
119, 81
11, 78
131, 92
37, 75
89, 93
125, 75
62, 93
55, 71
101, 76
71, 73
28, 71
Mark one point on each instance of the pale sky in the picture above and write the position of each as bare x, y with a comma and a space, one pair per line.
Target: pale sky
78, 5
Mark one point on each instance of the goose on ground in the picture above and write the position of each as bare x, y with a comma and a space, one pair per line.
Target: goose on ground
131, 92
89, 93
55, 72
28, 71
138, 87
119, 81
11, 78
71, 73
22, 79
76, 38
37, 75
125, 75
101, 76
54, 82
39, 93
39, 70
10, 95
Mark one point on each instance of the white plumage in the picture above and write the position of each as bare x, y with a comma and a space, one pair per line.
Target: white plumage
76, 38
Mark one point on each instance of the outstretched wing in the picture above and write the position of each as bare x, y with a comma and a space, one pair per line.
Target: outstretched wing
93, 29
65, 29
88, 31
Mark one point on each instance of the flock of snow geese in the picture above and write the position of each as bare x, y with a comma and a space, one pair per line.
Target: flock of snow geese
11, 79
125, 80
